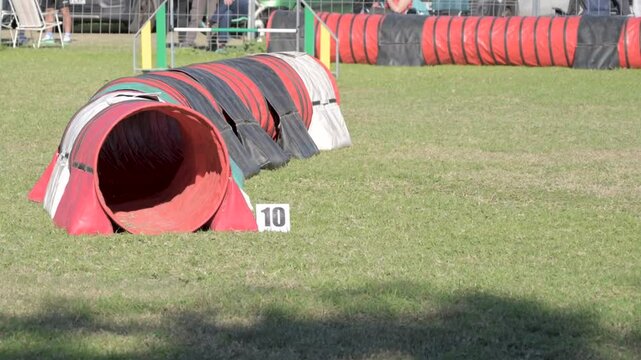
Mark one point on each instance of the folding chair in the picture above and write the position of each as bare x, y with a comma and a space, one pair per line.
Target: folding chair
29, 17
6, 18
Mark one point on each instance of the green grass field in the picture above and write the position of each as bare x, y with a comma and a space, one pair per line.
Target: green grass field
482, 212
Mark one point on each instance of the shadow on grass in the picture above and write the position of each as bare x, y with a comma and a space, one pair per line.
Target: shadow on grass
376, 321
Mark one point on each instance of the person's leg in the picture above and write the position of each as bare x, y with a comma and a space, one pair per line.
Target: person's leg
49, 9
238, 8
66, 21
212, 7
195, 17
223, 19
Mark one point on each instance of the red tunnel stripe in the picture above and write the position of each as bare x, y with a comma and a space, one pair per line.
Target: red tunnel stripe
499, 41
427, 41
441, 32
528, 46
558, 52
512, 40
455, 46
571, 37
269, 26
358, 38
543, 41
344, 32
630, 44
470, 37
484, 40
622, 46
371, 38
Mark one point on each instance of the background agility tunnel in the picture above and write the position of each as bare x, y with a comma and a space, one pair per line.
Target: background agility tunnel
128, 161
593, 42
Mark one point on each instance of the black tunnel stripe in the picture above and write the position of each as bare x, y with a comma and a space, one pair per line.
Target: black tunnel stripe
521, 40
351, 45
507, 52
318, 102
83, 167
365, 39
463, 40
550, 42
565, 45
476, 40
625, 44
536, 50
449, 40
338, 32
639, 41
438, 58
490, 41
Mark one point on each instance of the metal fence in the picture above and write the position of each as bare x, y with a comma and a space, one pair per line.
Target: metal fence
127, 16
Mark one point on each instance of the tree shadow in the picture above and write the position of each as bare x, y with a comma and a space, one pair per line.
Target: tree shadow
400, 320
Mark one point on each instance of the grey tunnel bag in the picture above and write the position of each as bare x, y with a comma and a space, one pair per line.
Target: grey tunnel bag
327, 128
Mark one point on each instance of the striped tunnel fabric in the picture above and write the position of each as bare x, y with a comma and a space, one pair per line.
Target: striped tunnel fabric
573, 41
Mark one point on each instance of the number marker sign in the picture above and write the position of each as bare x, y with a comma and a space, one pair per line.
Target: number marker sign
273, 217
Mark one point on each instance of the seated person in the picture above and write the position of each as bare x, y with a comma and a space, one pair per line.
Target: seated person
393, 6
225, 12
399, 6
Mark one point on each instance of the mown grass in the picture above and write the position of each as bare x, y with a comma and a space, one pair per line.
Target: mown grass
483, 212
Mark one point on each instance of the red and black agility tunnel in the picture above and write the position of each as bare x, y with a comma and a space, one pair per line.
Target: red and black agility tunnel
130, 162
580, 42
149, 154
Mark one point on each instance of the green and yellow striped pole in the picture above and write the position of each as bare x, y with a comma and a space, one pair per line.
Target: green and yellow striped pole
146, 49
310, 33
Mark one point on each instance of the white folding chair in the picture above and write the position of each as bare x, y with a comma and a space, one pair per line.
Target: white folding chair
29, 17
6, 17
